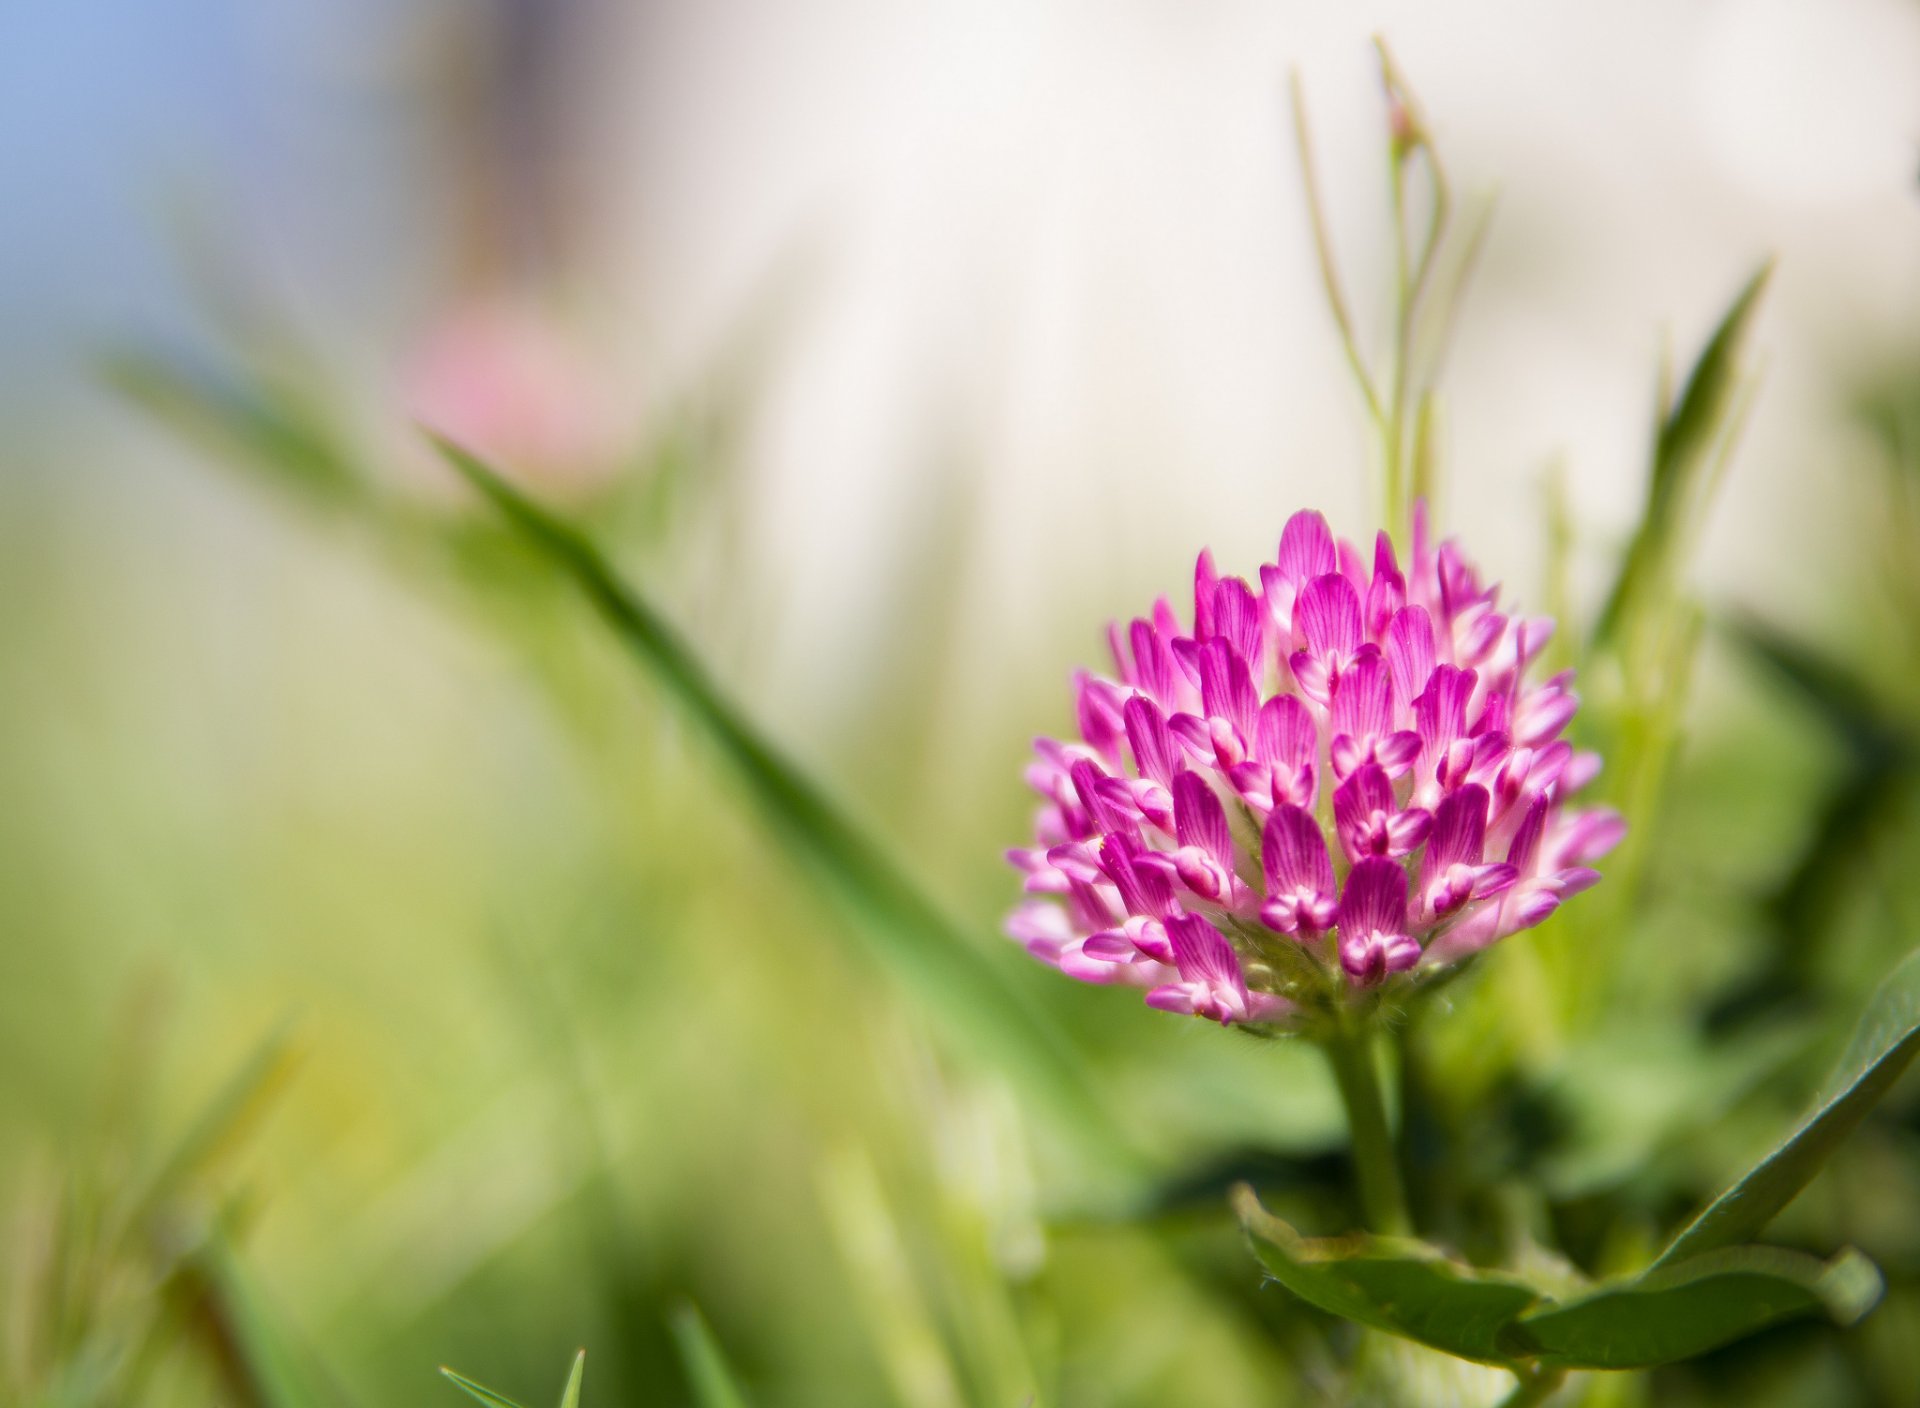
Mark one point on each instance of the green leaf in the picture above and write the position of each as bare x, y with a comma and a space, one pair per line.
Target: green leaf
1404, 1287
1679, 1311
1682, 449
901, 928
1882, 1047
570, 1395
713, 1382
476, 1391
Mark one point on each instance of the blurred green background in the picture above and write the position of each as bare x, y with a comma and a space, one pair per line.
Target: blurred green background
390, 975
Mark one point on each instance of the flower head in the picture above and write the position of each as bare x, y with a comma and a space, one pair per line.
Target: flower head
1341, 762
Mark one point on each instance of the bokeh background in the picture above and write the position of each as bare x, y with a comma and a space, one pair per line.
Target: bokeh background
893, 349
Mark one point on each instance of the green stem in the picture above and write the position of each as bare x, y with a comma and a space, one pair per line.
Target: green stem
1382, 1201
1536, 1386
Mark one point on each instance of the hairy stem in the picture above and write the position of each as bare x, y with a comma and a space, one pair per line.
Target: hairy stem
1382, 1201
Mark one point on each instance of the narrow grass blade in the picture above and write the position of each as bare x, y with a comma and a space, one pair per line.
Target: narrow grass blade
901, 927
713, 1382
1682, 454
1883, 1046
478, 1392
570, 1395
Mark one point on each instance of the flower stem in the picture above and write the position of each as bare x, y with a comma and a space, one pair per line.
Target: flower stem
1382, 1201
1536, 1386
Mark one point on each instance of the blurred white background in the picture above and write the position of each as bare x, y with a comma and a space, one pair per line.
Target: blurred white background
1056, 250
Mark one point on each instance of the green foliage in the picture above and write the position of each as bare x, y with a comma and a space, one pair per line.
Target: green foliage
1884, 1046
1395, 1284
958, 982
1702, 1292
1681, 1310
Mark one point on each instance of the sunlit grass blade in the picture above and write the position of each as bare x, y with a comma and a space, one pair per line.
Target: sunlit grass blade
478, 1392
1883, 1046
1683, 455
901, 927
570, 1395
706, 1367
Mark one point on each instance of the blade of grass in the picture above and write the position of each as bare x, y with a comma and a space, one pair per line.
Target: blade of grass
713, 1382
570, 1395
900, 926
478, 1392
1682, 453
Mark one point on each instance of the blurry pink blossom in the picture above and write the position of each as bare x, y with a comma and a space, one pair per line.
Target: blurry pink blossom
506, 381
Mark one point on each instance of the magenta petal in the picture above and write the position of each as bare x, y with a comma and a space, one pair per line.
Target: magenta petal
1375, 900
1200, 820
1306, 549
1576, 879
1202, 953
1531, 908
1386, 594
1346, 755
1285, 732
1153, 664
1205, 578
1363, 700
1311, 674
1357, 802
1037, 923
1239, 617
1397, 751
1326, 617
1226, 686
1148, 737
1406, 830
1582, 768
1459, 830
1172, 997
1589, 835
1352, 566
1490, 880
1293, 853
1195, 735
1525, 849
1440, 712
1109, 946
1143, 888
1409, 649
